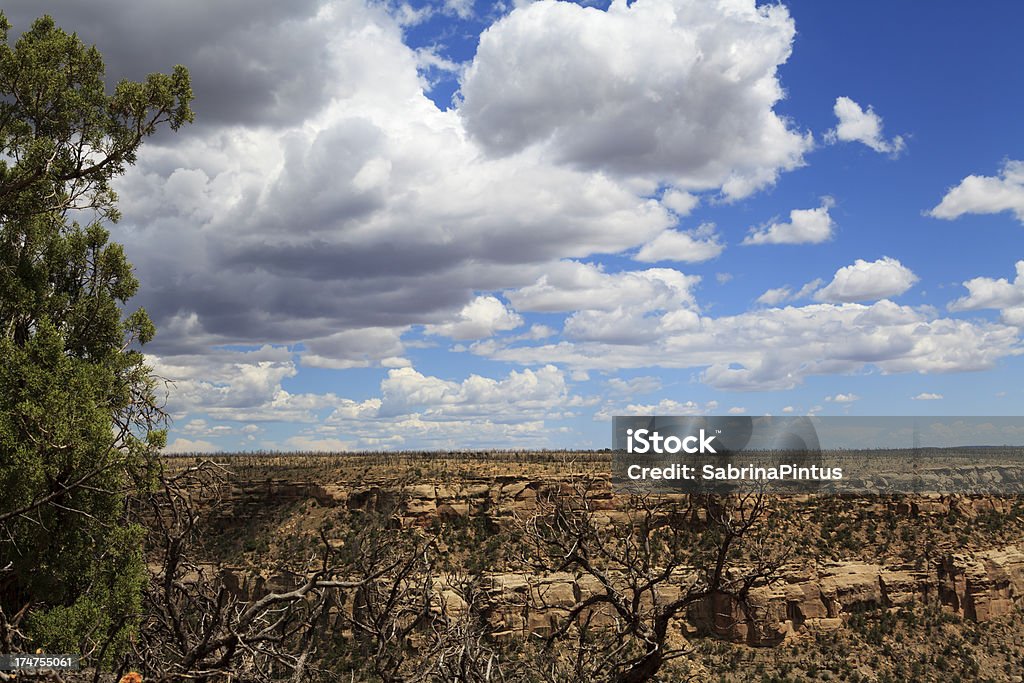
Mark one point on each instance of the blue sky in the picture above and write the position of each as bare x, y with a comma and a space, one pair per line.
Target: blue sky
435, 225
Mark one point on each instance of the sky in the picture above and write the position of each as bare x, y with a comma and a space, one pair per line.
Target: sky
469, 225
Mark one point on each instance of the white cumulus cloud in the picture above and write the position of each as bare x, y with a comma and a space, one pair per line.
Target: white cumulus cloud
777, 348
640, 90
481, 317
1000, 293
406, 391
986, 194
242, 386
366, 210
612, 307
985, 292
868, 281
805, 226
859, 125
694, 246
665, 406
183, 445
574, 286
680, 203
430, 411
303, 442
926, 396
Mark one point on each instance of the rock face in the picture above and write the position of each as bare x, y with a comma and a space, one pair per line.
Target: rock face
984, 585
811, 597
806, 599
248, 496
420, 503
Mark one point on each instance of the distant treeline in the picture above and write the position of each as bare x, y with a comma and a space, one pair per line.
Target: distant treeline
270, 457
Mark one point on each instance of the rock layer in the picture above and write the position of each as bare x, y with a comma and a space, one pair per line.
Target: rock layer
978, 586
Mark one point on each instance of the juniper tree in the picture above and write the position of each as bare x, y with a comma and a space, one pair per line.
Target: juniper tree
79, 419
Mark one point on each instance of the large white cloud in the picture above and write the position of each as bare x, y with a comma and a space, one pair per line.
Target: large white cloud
411, 410
777, 348
805, 226
864, 126
243, 386
985, 194
527, 392
481, 317
680, 91
424, 410
665, 406
692, 246
374, 211
681, 203
369, 210
574, 286
985, 292
183, 445
631, 320
612, 307
868, 281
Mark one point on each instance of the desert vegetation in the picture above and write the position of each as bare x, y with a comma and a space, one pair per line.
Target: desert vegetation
442, 568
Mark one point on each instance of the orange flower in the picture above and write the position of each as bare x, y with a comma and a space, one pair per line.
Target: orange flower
131, 677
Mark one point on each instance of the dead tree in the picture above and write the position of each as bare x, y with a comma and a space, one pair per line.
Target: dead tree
366, 603
414, 623
462, 649
199, 625
637, 568
388, 609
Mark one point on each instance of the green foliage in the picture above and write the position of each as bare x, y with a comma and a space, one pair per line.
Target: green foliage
107, 616
79, 415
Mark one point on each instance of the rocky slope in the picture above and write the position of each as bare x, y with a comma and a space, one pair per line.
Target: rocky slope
809, 596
